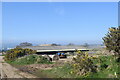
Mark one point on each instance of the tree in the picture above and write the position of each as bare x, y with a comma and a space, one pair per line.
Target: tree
24, 44
54, 44
70, 44
112, 40
86, 45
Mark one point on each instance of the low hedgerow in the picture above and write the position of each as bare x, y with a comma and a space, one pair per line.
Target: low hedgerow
15, 53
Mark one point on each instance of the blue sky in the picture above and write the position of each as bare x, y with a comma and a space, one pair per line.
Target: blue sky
55, 22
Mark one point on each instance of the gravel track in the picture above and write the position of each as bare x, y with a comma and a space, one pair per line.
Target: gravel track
8, 71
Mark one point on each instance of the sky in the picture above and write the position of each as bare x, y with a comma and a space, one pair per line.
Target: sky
60, 0
57, 22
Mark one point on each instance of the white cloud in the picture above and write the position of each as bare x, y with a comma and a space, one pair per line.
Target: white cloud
60, 11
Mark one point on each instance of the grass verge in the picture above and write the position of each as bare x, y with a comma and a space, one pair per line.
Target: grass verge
30, 59
107, 67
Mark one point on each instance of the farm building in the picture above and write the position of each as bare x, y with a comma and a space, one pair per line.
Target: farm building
51, 51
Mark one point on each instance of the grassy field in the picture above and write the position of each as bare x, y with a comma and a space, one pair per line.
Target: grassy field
57, 72
30, 59
107, 67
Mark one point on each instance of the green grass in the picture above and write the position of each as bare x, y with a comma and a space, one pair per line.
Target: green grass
30, 59
107, 66
57, 72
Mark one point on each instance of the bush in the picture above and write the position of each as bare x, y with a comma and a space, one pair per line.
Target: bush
106, 67
17, 52
41, 59
83, 64
112, 40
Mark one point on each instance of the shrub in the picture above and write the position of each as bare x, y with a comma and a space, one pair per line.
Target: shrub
112, 40
41, 59
104, 66
83, 64
17, 52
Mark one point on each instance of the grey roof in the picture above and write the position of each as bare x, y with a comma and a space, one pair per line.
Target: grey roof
53, 47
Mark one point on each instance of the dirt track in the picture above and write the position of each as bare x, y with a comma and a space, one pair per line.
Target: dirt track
8, 71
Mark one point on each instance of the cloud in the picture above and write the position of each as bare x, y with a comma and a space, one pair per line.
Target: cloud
60, 11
